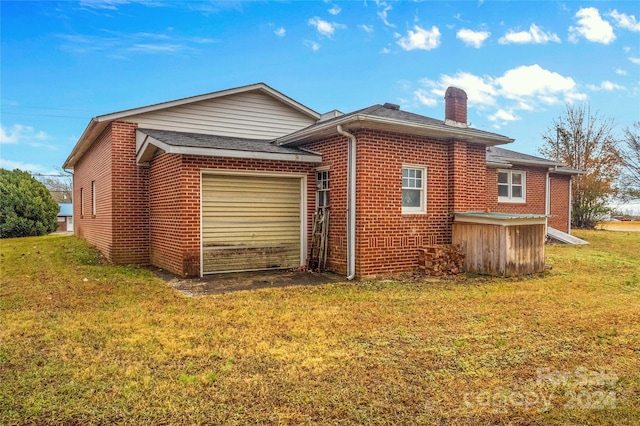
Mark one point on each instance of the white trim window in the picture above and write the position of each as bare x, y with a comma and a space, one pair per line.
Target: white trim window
93, 197
414, 189
322, 188
511, 186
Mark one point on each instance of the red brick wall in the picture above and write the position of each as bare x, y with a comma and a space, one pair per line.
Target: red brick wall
467, 177
560, 202
387, 241
119, 229
95, 165
334, 155
535, 192
165, 219
130, 198
175, 209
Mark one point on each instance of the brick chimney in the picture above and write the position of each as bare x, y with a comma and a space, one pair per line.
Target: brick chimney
455, 110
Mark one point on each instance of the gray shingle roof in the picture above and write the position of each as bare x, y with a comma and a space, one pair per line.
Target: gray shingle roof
507, 157
387, 114
196, 140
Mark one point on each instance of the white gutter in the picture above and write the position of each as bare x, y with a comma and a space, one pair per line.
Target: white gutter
570, 203
351, 203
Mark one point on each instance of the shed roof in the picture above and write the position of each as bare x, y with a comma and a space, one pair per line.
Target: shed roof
66, 209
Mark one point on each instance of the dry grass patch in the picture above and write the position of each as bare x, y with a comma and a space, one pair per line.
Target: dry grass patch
82, 342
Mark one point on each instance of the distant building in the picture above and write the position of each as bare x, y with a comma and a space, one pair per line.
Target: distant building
65, 217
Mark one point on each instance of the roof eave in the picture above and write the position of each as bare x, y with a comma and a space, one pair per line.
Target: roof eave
523, 162
95, 127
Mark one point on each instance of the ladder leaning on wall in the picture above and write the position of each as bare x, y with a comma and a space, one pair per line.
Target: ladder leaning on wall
319, 243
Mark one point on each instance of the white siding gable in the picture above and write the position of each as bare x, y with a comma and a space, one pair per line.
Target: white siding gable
254, 115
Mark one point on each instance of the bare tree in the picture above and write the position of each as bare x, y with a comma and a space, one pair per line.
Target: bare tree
584, 141
60, 185
630, 156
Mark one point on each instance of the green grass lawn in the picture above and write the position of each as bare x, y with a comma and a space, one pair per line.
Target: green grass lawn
86, 343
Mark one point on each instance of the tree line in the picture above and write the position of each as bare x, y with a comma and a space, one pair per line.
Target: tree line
609, 166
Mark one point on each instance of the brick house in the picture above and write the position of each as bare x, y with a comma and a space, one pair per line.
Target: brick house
229, 181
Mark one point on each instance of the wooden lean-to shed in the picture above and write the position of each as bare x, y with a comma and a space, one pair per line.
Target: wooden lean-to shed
500, 243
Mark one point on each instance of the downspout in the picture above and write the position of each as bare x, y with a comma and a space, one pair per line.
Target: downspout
547, 203
570, 203
351, 203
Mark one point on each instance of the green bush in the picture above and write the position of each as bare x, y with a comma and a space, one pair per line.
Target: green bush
26, 206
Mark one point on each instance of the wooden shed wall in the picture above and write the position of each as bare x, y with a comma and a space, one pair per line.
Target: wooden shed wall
501, 250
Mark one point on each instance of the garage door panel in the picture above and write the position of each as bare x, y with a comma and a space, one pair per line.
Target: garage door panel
250, 222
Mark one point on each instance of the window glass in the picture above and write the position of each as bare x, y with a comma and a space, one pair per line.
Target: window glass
413, 190
511, 186
322, 185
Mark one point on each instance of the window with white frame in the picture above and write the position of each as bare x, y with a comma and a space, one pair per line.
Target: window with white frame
414, 189
511, 186
81, 202
322, 188
93, 197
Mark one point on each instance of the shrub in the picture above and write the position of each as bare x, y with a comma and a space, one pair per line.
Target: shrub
26, 206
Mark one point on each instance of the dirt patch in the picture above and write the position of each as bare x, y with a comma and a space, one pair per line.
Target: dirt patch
239, 281
632, 226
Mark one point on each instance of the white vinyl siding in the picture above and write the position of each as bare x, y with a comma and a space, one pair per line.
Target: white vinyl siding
511, 186
250, 115
251, 222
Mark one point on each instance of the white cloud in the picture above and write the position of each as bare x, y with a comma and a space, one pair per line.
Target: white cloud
425, 97
503, 116
592, 27
607, 86
312, 45
480, 91
533, 35
421, 39
524, 88
626, 21
335, 10
19, 133
537, 83
620, 71
634, 60
10, 165
367, 28
383, 12
473, 38
324, 27
280, 32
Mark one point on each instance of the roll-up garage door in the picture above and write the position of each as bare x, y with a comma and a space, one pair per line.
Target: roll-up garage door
250, 222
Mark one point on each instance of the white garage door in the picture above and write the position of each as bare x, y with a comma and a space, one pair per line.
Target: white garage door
250, 222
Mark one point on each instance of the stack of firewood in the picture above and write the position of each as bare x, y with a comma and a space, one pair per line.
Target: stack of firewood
445, 259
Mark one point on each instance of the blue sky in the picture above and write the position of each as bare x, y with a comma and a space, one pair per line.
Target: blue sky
521, 62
